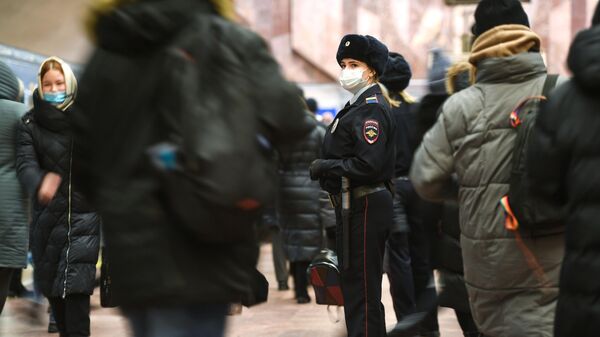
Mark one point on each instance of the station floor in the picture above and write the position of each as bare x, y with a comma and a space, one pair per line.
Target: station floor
281, 316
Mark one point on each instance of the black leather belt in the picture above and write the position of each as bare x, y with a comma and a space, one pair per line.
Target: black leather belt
362, 191
357, 192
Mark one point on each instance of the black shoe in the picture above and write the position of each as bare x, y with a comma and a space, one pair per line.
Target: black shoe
52, 328
283, 286
303, 299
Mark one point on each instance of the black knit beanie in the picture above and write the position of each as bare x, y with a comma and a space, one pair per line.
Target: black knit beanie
9, 85
397, 73
493, 13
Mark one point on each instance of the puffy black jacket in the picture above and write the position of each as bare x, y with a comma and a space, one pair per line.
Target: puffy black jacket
156, 260
564, 161
64, 233
300, 198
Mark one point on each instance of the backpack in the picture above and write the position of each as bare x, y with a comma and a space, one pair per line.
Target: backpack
324, 275
524, 210
217, 159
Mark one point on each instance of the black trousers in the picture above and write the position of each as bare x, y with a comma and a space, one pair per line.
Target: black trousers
420, 252
298, 269
72, 315
400, 274
370, 220
5, 275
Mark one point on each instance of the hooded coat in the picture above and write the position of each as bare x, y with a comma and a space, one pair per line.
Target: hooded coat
156, 259
563, 165
472, 137
14, 236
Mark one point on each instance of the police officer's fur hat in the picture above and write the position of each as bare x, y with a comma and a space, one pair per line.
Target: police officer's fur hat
364, 48
397, 73
493, 13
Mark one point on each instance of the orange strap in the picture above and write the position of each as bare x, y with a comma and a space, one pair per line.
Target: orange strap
512, 224
515, 119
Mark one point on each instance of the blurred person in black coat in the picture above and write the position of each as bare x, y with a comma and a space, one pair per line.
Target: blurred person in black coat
563, 165
170, 280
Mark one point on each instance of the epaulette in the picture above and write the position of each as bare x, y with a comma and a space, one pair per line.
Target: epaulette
372, 100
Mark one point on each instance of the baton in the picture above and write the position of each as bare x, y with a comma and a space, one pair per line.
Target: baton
346, 222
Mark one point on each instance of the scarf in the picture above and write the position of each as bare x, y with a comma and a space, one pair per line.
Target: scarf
70, 82
503, 41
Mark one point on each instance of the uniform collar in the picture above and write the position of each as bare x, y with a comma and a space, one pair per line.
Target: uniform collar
355, 98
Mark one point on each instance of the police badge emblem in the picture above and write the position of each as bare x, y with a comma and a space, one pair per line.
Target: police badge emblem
335, 124
371, 131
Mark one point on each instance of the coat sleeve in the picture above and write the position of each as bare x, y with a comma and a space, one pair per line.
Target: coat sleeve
326, 211
280, 101
28, 169
368, 156
433, 165
547, 158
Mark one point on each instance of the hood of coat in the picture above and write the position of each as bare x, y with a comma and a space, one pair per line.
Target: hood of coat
511, 69
9, 84
584, 59
48, 115
134, 27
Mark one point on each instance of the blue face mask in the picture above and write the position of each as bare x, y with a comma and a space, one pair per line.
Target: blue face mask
55, 97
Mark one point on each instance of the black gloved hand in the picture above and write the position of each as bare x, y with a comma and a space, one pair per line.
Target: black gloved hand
316, 169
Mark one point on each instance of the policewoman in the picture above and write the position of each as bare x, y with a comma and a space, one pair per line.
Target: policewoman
359, 147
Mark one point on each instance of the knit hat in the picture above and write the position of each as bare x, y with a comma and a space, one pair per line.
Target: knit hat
397, 73
9, 85
363, 48
493, 13
436, 76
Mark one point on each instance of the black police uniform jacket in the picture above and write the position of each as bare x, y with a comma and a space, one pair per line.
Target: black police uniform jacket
155, 258
360, 143
64, 233
564, 157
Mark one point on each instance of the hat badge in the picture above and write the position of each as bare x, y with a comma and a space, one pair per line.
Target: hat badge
347, 43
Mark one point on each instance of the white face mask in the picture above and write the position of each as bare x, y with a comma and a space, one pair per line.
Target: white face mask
352, 79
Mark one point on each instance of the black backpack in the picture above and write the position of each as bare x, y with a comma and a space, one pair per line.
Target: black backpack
524, 210
218, 158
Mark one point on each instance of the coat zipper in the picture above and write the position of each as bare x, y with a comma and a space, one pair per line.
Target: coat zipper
68, 222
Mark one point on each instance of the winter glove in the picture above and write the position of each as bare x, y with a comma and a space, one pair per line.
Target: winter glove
317, 169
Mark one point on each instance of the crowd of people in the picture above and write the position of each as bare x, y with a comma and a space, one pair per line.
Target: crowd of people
133, 154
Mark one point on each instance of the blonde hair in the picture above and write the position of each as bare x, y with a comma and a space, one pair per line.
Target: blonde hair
386, 94
456, 70
408, 98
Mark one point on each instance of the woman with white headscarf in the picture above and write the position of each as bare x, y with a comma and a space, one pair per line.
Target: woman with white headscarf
64, 228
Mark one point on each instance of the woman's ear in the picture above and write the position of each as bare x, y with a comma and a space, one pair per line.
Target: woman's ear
371, 75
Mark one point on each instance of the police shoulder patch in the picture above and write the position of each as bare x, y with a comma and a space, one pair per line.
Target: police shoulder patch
371, 131
372, 100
